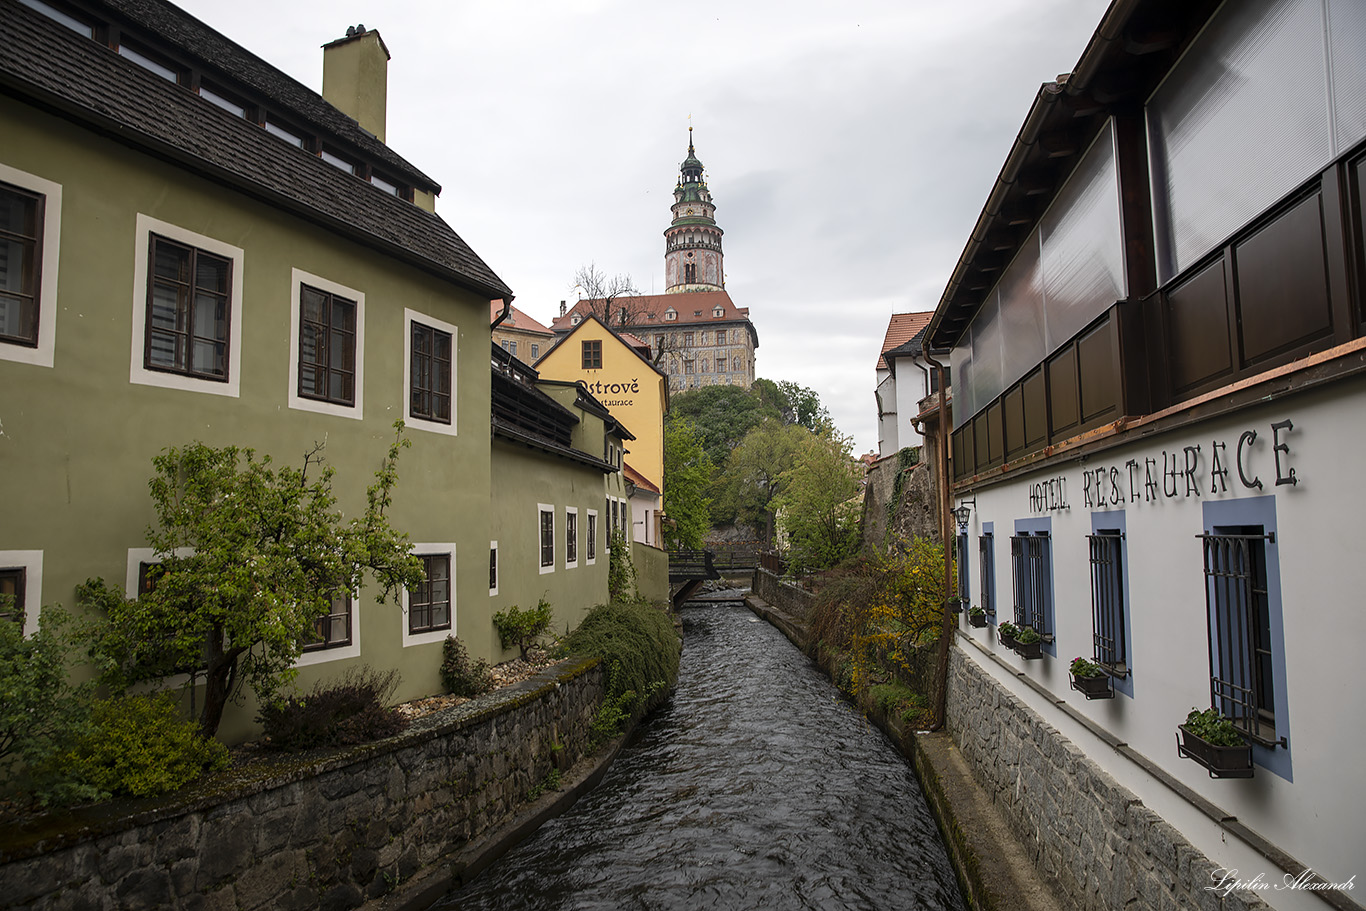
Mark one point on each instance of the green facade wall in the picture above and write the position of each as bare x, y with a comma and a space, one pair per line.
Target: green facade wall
78, 437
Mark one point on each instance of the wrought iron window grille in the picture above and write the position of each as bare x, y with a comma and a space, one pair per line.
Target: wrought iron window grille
1030, 559
1238, 610
1109, 648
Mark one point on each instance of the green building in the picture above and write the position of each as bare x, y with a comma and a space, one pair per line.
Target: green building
193, 246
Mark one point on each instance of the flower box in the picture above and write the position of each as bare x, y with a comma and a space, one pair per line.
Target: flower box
1094, 687
1219, 761
1008, 641
977, 620
1029, 650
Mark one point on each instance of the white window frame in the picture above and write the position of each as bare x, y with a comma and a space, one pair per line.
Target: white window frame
140, 375
591, 555
31, 562
497, 569
42, 355
571, 511
436, 635
417, 422
298, 278
341, 653
541, 509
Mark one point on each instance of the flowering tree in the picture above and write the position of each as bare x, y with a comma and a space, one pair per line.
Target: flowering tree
251, 557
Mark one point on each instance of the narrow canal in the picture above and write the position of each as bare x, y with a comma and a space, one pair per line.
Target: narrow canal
757, 787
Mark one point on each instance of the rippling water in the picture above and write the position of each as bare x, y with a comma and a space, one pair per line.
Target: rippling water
756, 787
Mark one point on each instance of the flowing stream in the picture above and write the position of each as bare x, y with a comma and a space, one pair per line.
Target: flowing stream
755, 787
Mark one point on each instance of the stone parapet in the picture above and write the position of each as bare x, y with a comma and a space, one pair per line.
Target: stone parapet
333, 830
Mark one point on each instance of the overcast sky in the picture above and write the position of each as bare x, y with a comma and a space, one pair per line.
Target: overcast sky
849, 146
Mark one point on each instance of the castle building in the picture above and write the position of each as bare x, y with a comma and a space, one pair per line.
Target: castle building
697, 335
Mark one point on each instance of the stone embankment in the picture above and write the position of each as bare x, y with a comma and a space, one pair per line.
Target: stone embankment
391, 824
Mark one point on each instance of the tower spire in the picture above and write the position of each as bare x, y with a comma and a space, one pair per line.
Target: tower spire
692, 250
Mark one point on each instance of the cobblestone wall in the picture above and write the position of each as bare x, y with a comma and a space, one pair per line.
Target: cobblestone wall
328, 833
783, 595
1101, 845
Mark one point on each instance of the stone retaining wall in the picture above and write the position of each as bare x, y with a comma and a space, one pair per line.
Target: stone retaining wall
322, 833
783, 595
1091, 835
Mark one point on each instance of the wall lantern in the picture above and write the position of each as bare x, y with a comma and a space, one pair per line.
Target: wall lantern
963, 513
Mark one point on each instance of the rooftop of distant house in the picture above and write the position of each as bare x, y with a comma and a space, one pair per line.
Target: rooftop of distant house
517, 319
901, 329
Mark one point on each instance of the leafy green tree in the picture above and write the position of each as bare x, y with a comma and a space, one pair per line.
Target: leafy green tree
251, 556
687, 473
801, 405
721, 416
41, 711
754, 475
819, 504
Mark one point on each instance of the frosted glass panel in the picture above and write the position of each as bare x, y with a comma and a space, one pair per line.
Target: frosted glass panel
1347, 50
960, 362
1240, 122
1022, 315
1083, 258
986, 354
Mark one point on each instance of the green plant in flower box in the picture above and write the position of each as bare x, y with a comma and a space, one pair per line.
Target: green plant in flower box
1027, 635
1213, 728
1082, 668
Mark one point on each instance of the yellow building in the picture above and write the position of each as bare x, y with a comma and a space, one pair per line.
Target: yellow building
624, 380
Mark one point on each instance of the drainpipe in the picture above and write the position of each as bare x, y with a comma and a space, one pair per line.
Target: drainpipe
507, 311
950, 623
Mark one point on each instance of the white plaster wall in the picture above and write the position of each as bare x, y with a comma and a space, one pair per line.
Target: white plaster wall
885, 398
910, 389
1317, 817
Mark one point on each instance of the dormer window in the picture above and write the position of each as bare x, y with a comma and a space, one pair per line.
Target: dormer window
671, 314
147, 61
65, 18
574, 320
719, 312
392, 190
275, 128
222, 99
337, 161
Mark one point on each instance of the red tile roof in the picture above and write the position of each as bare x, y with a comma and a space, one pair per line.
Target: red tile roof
648, 310
516, 320
637, 478
901, 329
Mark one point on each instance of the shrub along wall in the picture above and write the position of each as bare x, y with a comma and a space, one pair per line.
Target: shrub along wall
314, 832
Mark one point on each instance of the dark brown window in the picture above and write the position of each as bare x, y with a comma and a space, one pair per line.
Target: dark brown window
547, 538
690, 272
493, 569
429, 605
327, 346
571, 537
148, 573
188, 307
592, 536
12, 594
431, 374
333, 629
592, 354
21, 227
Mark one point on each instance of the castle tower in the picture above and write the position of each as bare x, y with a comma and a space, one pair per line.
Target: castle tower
692, 242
